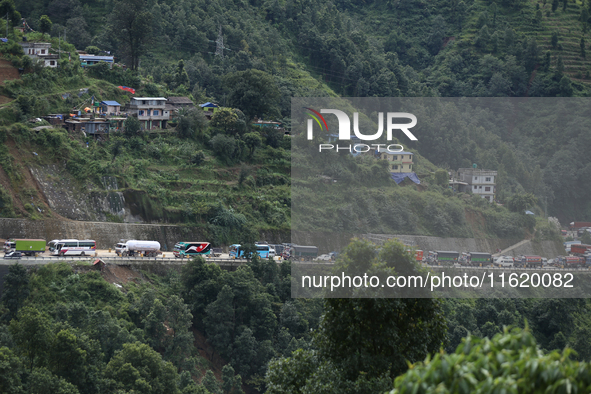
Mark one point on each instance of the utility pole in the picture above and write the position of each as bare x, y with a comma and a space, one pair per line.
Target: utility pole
219, 48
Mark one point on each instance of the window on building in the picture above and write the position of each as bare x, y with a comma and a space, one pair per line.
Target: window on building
475, 178
488, 179
395, 166
480, 187
52, 63
43, 51
394, 157
475, 187
487, 189
141, 113
155, 112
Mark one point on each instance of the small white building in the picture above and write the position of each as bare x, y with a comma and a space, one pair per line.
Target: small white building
480, 182
40, 51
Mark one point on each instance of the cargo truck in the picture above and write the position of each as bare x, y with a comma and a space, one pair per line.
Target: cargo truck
529, 261
572, 261
478, 259
28, 247
300, 252
578, 225
447, 257
135, 247
580, 249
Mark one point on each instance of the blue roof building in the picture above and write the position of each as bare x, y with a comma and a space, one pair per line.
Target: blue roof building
110, 107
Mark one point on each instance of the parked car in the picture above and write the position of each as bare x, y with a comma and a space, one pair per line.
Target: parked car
13, 255
324, 257
505, 261
272, 252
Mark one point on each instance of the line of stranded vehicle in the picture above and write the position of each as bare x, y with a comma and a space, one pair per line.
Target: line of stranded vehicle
580, 254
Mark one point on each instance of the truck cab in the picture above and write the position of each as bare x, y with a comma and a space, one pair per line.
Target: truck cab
119, 248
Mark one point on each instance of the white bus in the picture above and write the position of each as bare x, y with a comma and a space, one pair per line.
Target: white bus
74, 247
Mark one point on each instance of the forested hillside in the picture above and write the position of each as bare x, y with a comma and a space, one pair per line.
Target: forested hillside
395, 48
69, 329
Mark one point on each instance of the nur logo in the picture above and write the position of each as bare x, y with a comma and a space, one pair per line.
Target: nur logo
345, 124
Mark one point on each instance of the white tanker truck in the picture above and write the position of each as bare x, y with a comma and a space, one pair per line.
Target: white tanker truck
134, 248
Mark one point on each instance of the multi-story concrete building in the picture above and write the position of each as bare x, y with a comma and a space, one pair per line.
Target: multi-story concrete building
398, 161
150, 111
480, 182
40, 51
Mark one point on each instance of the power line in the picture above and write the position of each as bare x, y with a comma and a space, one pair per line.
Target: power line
219, 49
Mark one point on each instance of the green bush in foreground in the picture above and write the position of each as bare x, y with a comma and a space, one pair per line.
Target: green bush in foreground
509, 363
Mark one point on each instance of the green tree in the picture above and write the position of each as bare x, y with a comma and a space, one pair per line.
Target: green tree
210, 382
586, 238
41, 381
582, 46
132, 25
220, 320
559, 67
10, 379
181, 77
16, 290
7, 9
93, 50
66, 358
139, 367
231, 383
441, 177
253, 91
565, 87
482, 38
225, 148
31, 332
554, 39
555, 4
201, 284
131, 126
179, 343
252, 140
192, 123
45, 24
154, 324
226, 120
377, 336
509, 362
521, 202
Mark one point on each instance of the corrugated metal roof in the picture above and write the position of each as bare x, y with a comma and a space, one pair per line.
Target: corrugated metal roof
148, 98
99, 58
208, 105
180, 100
110, 103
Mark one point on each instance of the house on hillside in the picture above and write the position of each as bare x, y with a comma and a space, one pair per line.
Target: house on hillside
479, 182
90, 60
110, 107
150, 111
397, 161
180, 102
209, 108
400, 164
40, 51
268, 124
